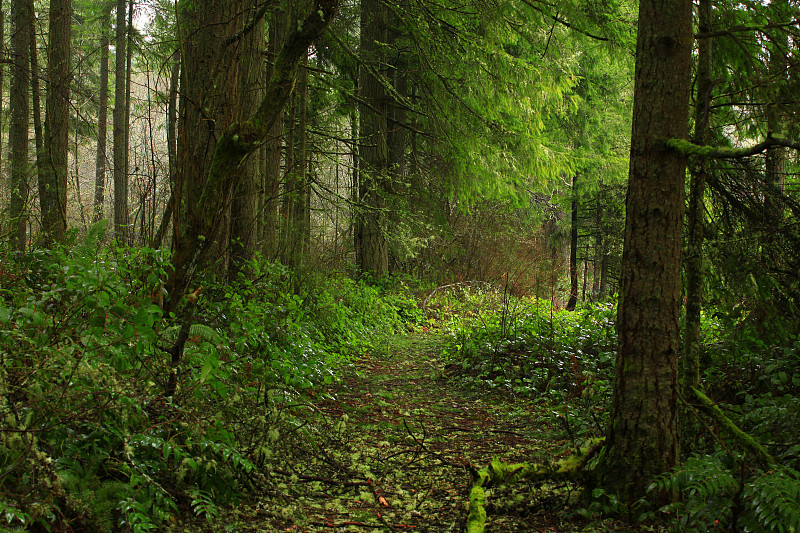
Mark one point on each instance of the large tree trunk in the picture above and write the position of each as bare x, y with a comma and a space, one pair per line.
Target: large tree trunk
233, 145
642, 439
295, 189
53, 173
21, 30
120, 129
102, 124
372, 252
244, 208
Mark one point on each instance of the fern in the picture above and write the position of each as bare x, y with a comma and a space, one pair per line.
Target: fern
769, 502
773, 501
201, 331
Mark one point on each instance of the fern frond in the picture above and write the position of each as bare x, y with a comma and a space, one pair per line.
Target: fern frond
774, 500
203, 331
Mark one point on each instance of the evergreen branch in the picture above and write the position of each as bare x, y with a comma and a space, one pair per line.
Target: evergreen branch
728, 32
565, 23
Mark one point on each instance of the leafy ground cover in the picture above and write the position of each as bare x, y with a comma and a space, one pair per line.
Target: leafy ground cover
342, 405
396, 444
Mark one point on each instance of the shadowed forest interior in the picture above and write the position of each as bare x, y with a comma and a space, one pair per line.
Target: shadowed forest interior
390, 265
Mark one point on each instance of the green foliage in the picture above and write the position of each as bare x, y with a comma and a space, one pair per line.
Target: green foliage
530, 348
720, 491
84, 361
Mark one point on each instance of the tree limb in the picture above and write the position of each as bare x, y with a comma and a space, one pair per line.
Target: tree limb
717, 152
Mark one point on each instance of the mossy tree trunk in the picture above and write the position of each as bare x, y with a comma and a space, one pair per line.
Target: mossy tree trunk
206, 203
642, 438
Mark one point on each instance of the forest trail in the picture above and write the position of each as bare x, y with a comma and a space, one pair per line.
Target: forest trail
404, 437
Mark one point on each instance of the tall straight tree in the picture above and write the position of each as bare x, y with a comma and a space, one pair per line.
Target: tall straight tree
53, 171
642, 436
244, 204
268, 203
372, 251
102, 120
120, 128
21, 29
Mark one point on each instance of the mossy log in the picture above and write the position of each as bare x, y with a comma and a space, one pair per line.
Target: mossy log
733, 431
498, 474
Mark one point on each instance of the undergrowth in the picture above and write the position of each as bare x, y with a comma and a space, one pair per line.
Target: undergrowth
92, 442
565, 361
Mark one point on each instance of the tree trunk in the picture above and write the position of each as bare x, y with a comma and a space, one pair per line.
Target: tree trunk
21, 31
599, 249
272, 176
295, 188
53, 173
120, 129
573, 249
642, 437
102, 124
371, 244
695, 217
36, 103
172, 155
235, 143
244, 208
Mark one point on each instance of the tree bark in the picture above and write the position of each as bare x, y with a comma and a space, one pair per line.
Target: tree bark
53, 173
244, 208
269, 203
642, 436
102, 124
120, 129
296, 186
372, 252
21, 30
234, 144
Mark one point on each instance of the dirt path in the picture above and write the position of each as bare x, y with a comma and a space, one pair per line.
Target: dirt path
403, 438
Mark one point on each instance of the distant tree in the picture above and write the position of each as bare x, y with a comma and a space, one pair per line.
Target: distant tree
102, 120
21, 31
53, 171
695, 216
120, 127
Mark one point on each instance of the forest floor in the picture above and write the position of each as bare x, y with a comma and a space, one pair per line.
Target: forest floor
392, 447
